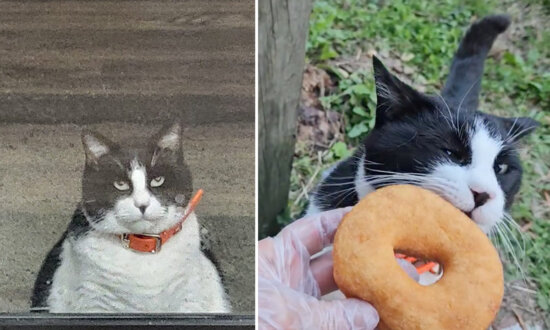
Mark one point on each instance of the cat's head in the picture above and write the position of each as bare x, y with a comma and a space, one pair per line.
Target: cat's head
137, 187
464, 155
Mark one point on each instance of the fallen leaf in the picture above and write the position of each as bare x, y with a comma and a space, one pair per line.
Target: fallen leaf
407, 57
318, 128
316, 83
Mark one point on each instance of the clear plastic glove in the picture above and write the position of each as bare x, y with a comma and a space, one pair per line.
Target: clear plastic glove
290, 284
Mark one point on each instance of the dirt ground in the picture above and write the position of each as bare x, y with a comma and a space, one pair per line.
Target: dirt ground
123, 68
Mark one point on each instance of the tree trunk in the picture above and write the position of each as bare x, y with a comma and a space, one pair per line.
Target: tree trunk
283, 29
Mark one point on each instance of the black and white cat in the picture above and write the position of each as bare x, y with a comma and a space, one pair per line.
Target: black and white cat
442, 142
140, 188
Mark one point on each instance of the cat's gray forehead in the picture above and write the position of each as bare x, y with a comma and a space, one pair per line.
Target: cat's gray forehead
132, 157
456, 117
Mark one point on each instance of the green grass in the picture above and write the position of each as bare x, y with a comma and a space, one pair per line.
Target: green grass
423, 35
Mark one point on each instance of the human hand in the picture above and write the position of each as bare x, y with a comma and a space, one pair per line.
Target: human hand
290, 283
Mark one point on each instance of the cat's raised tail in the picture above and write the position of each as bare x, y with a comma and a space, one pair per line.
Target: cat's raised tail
464, 81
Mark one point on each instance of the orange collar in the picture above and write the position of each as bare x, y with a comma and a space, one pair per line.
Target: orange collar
151, 243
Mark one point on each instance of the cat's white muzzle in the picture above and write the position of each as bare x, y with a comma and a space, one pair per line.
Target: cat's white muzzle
489, 214
125, 217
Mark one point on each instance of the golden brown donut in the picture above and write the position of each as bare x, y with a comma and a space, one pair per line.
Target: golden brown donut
418, 223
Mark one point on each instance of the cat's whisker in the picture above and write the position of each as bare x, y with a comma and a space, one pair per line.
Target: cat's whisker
392, 178
507, 152
392, 172
337, 193
383, 173
497, 241
342, 177
372, 162
412, 178
402, 174
512, 237
404, 181
451, 124
338, 184
512, 127
507, 217
513, 137
508, 248
512, 224
344, 197
462, 133
395, 179
465, 95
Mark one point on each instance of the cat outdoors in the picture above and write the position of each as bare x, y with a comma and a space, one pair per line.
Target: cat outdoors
440, 142
140, 188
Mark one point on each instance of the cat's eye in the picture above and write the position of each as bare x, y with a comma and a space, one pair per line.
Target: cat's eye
456, 156
121, 185
157, 182
449, 152
501, 168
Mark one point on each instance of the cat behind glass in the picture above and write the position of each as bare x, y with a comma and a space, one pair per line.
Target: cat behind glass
143, 187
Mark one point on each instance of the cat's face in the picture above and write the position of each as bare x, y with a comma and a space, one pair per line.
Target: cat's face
137, 188
463, 155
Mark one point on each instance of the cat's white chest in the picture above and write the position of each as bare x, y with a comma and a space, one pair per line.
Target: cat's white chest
97, 274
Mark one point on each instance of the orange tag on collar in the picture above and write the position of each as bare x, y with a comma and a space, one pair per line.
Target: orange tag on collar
422, 267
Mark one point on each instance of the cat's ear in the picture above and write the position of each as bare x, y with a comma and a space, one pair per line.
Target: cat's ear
394, 98
517, 128
169, 137
95, 146
166, 142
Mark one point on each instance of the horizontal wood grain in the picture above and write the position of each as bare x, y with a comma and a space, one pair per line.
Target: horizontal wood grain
133, 61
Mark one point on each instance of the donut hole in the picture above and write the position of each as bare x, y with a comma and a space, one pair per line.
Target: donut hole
428, 271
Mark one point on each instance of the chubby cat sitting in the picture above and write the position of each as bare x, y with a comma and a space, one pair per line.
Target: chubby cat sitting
133, 244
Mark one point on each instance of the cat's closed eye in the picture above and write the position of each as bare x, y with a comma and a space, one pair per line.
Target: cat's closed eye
121, 185
449, 152
500, 168
455, 156
157, 182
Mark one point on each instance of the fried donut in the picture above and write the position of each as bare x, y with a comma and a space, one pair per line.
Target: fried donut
417, 222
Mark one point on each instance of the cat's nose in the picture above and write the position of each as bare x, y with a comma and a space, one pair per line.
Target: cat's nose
142, 207
480, 198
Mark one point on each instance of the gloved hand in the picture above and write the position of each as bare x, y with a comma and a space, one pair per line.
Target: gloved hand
290, 283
